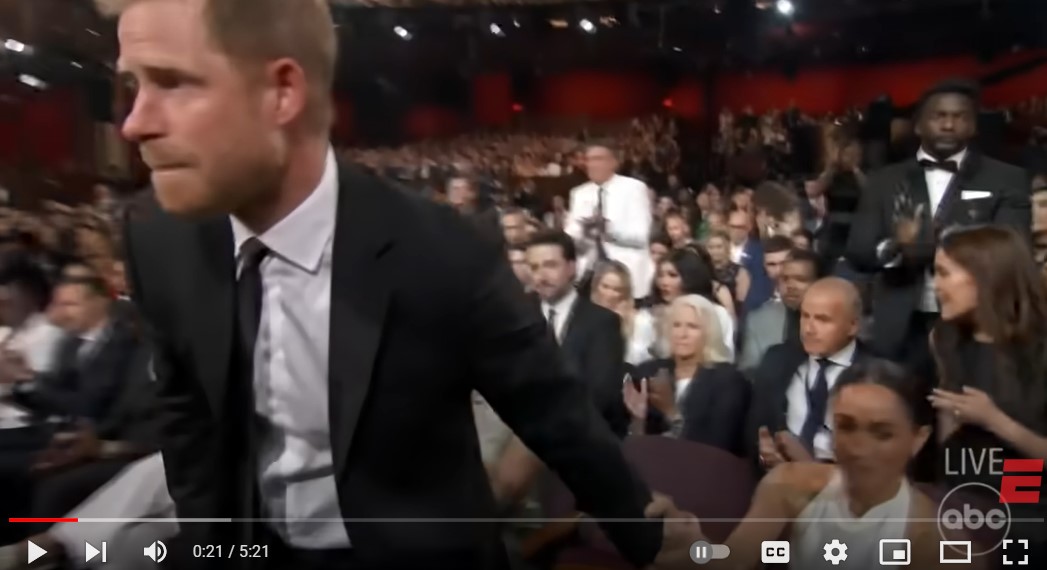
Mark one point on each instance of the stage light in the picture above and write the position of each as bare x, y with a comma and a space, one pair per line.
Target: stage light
32, 81
496, 30
16, 46
785, 7
402, 32
587, 26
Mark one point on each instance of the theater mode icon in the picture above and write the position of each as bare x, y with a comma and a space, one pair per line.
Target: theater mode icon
774, 552
954, 552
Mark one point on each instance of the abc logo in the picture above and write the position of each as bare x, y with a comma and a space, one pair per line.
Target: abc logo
974, 509
972, 518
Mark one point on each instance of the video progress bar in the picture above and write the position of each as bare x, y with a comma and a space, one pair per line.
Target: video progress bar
466, 520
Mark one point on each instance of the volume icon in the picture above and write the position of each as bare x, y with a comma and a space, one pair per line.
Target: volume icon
156, 551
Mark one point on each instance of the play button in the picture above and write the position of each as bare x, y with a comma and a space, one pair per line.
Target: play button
35, 552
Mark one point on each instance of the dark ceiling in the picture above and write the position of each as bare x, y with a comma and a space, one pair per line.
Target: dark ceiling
672, 37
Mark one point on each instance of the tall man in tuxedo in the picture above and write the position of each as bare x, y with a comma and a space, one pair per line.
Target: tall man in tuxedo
590, 336
906, 206
318, 334
609, 217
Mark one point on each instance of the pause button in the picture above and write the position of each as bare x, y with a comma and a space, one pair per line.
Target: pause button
702, 552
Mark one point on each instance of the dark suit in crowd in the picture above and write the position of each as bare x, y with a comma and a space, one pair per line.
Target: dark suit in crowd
983, 191
594, 350
713, 407
89, 377
422, 312
771, 382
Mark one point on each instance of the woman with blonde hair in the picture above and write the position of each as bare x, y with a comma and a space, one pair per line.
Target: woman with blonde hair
697, 393
613, 289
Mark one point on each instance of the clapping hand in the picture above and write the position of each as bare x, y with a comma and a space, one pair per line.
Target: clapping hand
680, 531
907, 219
972, 406
782, 447
635, 399
68, 449
13, 368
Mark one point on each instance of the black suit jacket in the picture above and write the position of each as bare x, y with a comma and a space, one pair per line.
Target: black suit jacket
594, 349
90, 386
713, 408
897, 290
771, 382
423, 311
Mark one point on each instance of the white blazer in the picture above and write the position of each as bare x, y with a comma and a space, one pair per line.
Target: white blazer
628, 211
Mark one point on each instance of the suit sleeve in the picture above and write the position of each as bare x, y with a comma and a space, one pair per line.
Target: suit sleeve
573, 223
728, 415
869, 229
50, 394
518, 369
1016, 207
634, 231
606, 356
751, 346
182, 423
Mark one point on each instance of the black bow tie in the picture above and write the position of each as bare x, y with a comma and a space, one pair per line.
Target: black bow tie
946, 165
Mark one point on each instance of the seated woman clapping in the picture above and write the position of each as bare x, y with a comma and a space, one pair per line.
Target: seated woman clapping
880, 421
696, 393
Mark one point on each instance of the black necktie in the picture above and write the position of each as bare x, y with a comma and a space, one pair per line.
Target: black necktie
792, 326
817, 403
946, 165
248, 315
601, 254
552, 324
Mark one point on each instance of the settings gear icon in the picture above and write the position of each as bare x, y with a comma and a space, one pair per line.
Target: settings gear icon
835, 552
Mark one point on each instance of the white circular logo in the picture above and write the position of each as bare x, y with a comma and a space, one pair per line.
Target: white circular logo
955, 513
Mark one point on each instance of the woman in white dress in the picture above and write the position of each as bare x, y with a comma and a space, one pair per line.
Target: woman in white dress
834, 515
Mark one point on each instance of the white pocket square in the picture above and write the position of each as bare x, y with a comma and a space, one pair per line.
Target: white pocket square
975, 194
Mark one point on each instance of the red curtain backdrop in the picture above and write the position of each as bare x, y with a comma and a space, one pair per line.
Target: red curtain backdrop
38, 127
41, 127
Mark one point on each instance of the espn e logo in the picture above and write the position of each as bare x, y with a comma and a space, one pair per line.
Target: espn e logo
774, 552
1011, 486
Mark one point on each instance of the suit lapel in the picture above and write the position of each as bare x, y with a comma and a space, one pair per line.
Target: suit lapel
952, 193
213, 298
360, 290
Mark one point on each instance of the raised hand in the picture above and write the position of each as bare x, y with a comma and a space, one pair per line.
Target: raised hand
908, 218
770, 455
635, 399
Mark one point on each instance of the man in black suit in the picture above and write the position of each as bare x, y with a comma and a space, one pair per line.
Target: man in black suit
790, 416
590, 336
318, 335
906, 206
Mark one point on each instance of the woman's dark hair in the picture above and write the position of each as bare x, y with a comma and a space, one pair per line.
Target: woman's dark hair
661, 238
696, 272
1011, 310
23, 273
895, 378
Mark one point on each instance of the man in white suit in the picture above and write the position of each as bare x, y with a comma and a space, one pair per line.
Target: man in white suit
610, 218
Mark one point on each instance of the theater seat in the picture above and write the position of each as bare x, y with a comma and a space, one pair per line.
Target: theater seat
701, 479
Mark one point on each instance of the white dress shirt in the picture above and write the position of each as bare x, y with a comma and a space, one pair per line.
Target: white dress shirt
796, 396
37, 340
938, 182
295, 462
627, 209
563, 309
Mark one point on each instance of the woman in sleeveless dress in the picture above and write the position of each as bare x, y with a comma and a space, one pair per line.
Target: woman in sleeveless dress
840, 512
991, 353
